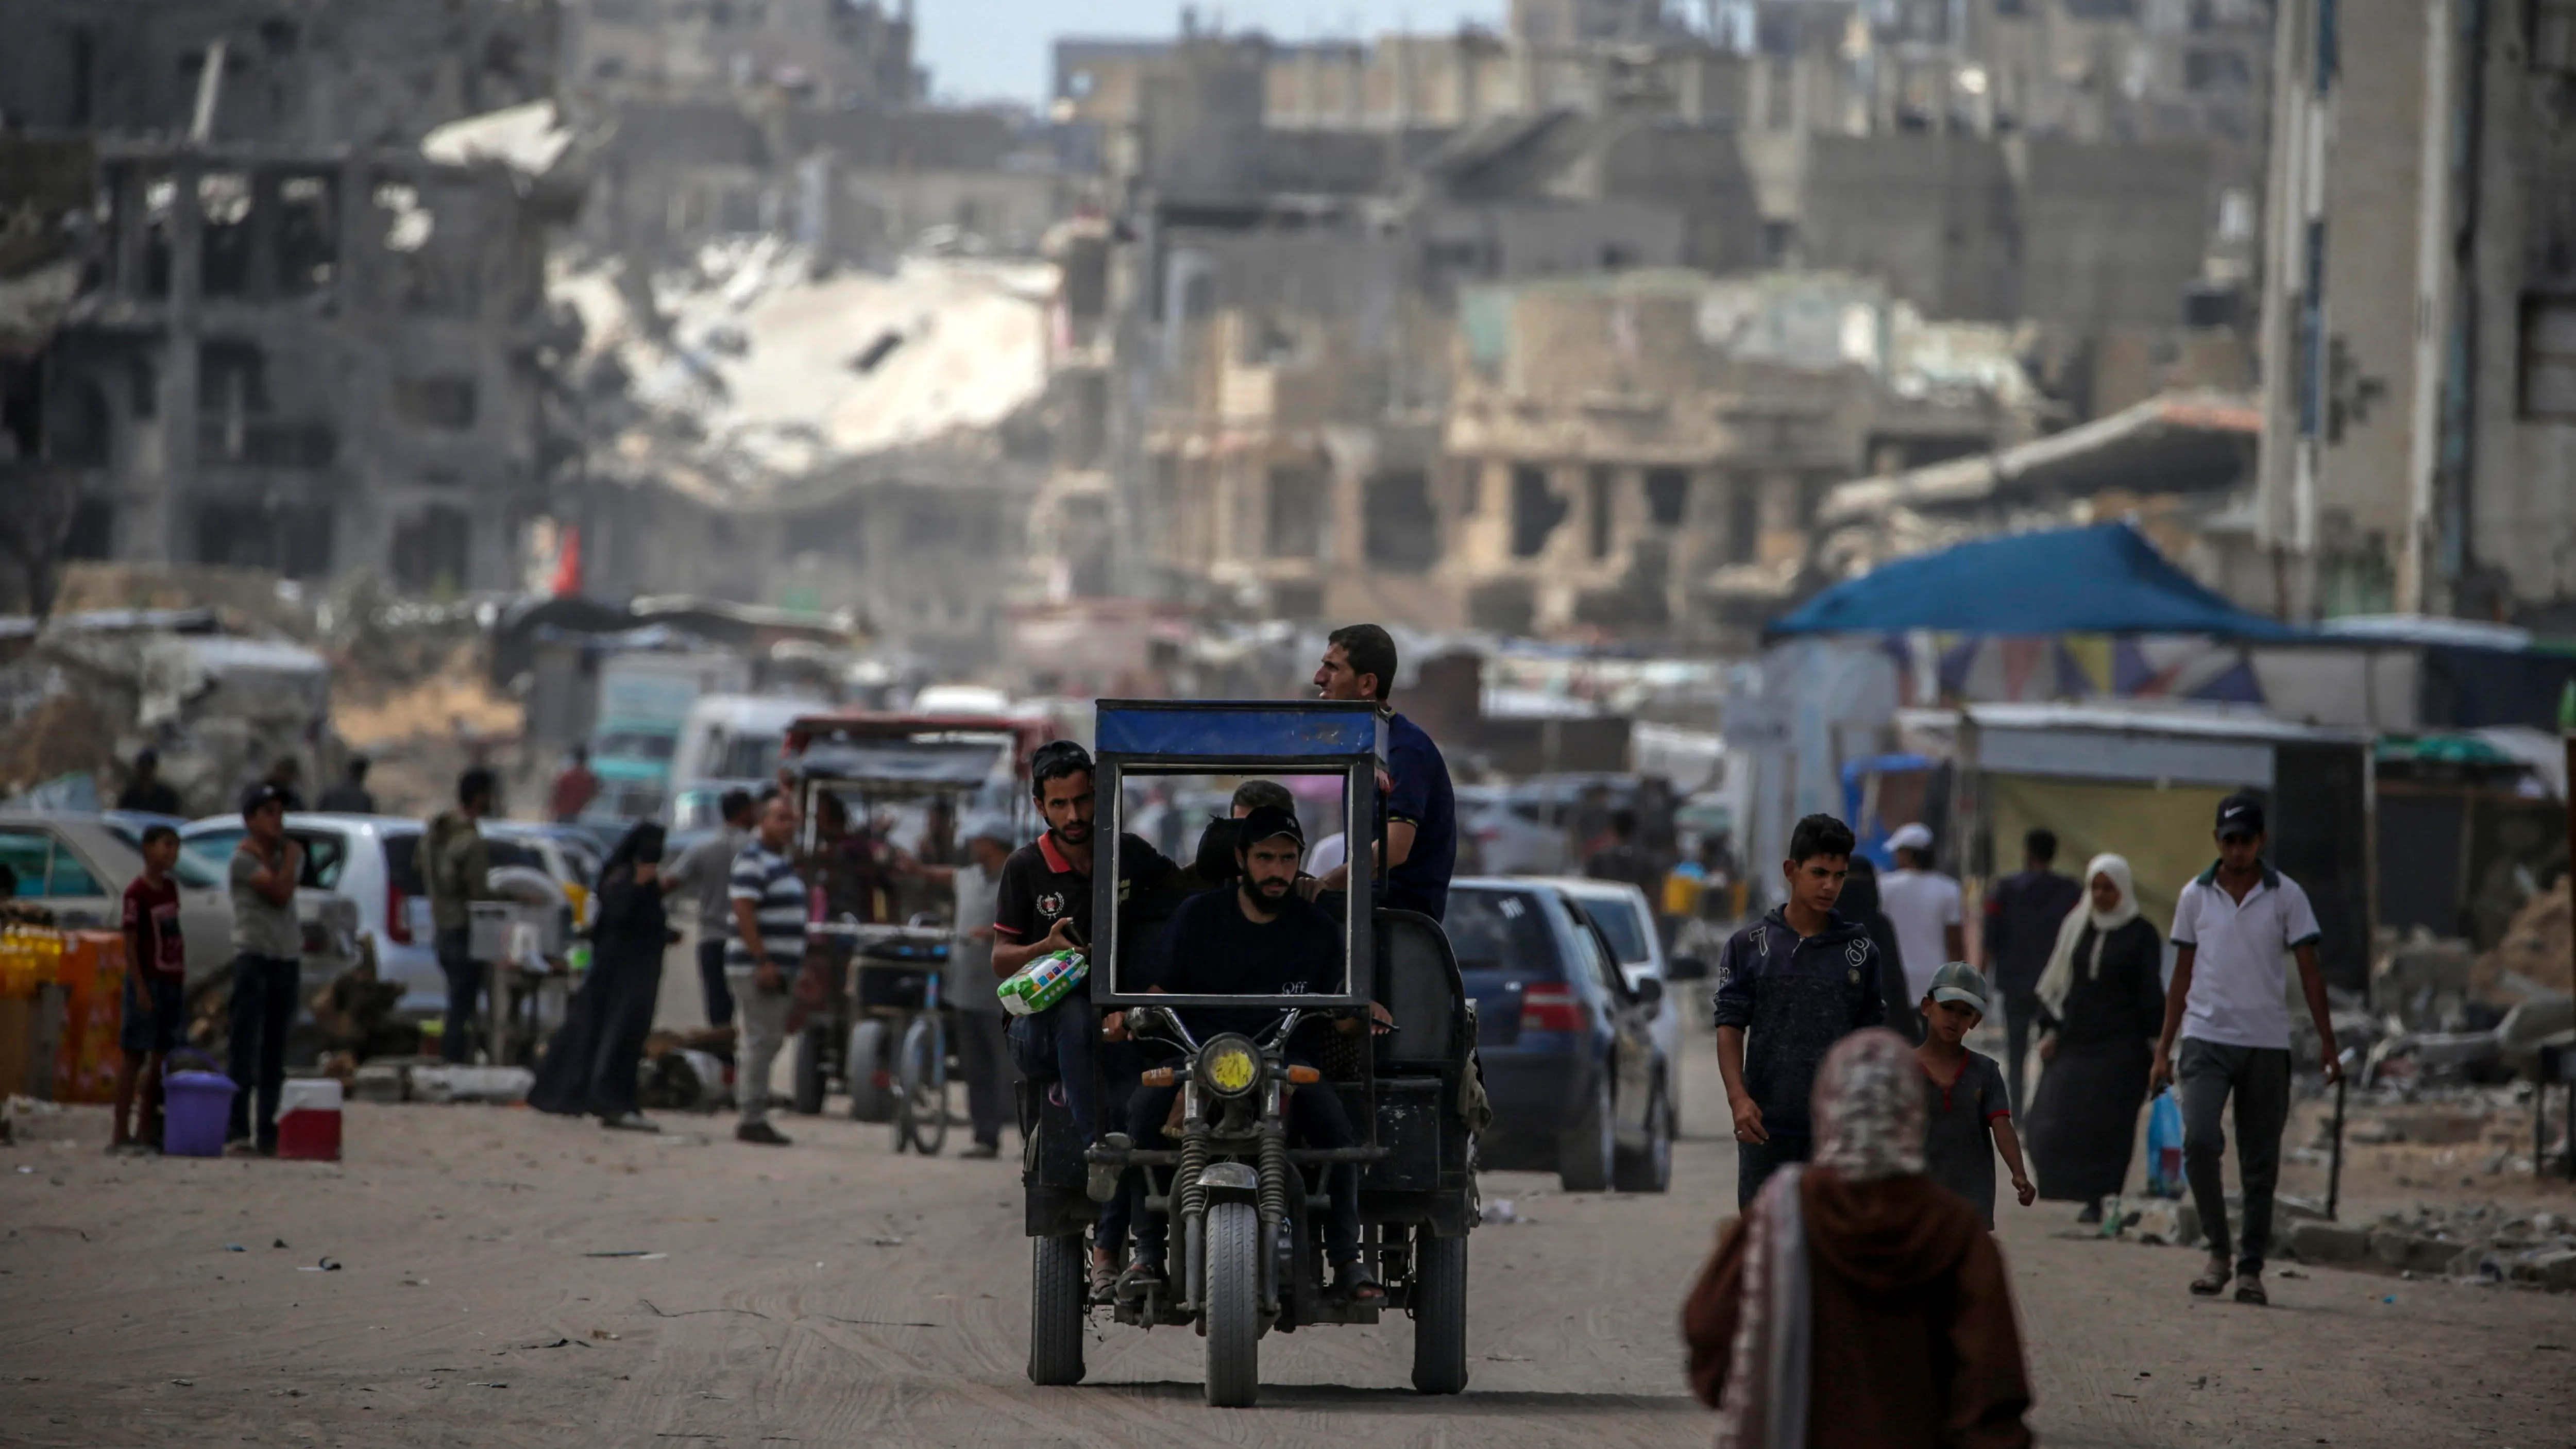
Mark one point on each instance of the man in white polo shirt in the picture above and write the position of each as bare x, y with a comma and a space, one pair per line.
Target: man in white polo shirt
2236, 927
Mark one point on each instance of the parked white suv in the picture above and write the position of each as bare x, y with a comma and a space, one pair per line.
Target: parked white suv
374, 861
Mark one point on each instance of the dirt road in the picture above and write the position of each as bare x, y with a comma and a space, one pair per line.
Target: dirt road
836, 1294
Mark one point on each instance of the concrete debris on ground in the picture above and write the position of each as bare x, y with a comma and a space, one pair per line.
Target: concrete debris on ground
2478, 1243
2537, 947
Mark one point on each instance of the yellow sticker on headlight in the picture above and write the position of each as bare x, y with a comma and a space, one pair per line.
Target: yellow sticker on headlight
1231, 1071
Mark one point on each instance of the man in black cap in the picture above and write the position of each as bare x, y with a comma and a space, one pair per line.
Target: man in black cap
2238, 923
1259, 939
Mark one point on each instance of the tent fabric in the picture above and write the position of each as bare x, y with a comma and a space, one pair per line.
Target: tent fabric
2106, 579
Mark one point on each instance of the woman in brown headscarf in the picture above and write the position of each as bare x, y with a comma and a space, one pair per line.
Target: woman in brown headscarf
1856, 1305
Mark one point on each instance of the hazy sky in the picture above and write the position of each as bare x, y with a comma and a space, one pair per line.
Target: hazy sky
1001, 49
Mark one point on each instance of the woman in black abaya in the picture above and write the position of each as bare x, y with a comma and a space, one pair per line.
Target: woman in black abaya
2102, 1004
590, 1065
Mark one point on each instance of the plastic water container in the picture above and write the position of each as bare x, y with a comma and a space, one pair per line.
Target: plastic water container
196, 1106
308, 1119
2164, 1145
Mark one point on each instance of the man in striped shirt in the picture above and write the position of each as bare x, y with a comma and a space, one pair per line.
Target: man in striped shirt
764, 949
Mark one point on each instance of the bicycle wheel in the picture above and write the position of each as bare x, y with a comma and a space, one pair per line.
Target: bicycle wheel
921, 1104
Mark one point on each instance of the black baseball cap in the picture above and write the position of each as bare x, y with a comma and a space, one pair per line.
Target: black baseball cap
2240, 815
264, 793
1267, 822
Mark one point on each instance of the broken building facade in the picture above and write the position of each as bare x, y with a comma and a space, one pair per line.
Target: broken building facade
827, 53
2422, 457
298, 344
1365, 343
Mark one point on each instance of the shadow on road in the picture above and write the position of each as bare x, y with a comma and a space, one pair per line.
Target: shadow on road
1468, 1404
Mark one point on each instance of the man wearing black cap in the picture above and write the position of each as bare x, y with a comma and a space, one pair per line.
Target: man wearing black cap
2234, 928
1259, 939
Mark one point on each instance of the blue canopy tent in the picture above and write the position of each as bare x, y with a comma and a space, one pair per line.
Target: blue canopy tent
2105, 579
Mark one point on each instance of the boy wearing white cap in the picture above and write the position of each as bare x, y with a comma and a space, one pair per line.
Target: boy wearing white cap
1924, 906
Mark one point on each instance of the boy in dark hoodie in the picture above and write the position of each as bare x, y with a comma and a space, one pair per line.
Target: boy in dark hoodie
1788, 987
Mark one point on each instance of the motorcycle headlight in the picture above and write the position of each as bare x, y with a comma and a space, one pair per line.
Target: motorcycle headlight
1228, 1066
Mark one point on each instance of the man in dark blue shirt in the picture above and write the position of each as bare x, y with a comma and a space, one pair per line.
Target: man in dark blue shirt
1420, 849
1256, 939
1788, 987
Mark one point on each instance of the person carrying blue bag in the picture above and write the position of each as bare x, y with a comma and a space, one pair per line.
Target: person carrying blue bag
2237, 928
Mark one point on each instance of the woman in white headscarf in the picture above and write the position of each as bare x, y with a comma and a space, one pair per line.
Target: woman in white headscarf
1857, 1304
2101, 1005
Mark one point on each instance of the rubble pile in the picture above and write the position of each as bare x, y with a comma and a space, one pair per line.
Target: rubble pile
2537, 950
2473, 1243
2480, 1243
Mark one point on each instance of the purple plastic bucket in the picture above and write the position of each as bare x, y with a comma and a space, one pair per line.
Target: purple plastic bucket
195, 1108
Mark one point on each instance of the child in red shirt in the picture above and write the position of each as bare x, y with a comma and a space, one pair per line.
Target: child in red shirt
156, 968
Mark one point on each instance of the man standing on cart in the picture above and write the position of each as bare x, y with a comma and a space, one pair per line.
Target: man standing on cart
1419, 832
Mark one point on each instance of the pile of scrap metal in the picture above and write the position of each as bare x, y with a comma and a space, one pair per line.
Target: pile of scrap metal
220, 709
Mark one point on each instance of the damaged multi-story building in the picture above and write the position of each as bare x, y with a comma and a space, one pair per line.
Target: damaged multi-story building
300, 339
2419, 444
1433, 328
833, 54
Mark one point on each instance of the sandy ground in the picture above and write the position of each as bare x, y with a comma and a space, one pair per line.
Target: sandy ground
837, 1294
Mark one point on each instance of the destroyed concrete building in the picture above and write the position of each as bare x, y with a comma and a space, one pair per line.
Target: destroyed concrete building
826, 53
2420, 443
2181, 466
1635, 454
852, 187
822, 441
1644, 454
299, 343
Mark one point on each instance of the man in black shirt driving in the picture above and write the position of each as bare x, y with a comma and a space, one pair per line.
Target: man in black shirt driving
1258, 939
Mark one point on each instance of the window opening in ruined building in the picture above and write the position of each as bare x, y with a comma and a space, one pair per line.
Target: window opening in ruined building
232, 386
223, 209
435, 402
1601, 488
2549, 356
1778, 239
429, 551
80, 60
93, 531
308, 234
1744, 524
1403, 530
1536, 510
143, 385
160, 197
1296, 513
78, 432
1667, 496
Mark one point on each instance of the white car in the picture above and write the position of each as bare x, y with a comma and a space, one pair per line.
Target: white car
374, 861
1624, 915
